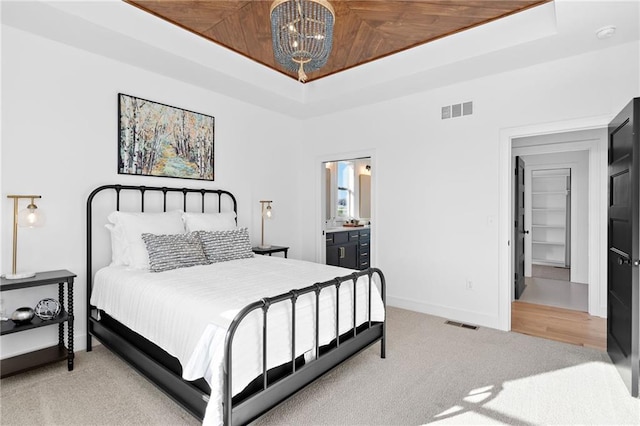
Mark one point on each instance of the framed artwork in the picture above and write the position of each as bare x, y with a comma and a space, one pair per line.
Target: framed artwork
161, 140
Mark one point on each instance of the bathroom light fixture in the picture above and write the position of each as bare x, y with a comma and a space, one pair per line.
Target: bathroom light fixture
302, 34
606, 32
29, 217
267, 213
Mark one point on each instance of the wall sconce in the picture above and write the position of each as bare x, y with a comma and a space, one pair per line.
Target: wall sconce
29, 217
267, 213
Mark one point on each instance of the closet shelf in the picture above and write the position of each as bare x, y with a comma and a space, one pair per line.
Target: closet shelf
550, 210
551, 243
564, 192
547, 262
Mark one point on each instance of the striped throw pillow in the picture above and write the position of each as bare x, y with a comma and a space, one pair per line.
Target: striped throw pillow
221, 246
174, 251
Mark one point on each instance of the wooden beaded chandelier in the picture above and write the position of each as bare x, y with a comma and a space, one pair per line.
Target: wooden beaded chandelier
302, 34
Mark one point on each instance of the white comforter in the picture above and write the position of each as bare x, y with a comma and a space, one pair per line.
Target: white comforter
187, 312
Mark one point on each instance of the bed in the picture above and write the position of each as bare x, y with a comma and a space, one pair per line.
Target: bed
228, 339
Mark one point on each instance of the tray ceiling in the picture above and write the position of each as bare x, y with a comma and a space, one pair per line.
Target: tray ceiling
364, 30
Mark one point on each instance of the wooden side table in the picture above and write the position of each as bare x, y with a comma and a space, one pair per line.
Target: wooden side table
271, 250
59, 352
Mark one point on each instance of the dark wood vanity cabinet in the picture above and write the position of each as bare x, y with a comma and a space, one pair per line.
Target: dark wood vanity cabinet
348, 249
364, 249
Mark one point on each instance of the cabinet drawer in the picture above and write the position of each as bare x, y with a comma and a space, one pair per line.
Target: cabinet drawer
364, 235
354, 235
364, 245
337, 238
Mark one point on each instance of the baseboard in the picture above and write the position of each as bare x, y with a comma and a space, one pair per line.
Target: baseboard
470, 317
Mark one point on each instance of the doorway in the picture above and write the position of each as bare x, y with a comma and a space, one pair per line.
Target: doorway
597, 223
560, 186
556, 200
346, 211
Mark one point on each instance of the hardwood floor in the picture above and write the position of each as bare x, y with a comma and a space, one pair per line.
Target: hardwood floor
564, 325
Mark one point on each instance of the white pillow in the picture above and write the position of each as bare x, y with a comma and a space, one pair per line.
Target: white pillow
209, 221
133, 225
119, 255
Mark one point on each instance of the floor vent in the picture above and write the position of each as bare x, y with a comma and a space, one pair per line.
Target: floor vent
462, 325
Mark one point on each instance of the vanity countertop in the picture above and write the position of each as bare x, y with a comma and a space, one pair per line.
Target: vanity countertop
346, 228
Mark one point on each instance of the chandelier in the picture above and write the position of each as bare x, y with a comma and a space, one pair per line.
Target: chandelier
302, 33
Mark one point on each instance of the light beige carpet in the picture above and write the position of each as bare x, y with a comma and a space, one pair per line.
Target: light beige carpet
433, 373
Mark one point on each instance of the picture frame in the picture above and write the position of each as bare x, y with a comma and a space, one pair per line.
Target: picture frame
156, 139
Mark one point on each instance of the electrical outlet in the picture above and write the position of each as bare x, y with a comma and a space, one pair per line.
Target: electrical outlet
469, 284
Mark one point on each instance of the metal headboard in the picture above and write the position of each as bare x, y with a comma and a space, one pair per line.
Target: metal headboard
142, 190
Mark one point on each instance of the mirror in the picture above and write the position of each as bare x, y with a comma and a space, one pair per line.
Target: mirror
347, 191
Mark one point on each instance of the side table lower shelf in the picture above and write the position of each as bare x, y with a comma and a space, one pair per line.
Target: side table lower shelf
59, 352
22, 363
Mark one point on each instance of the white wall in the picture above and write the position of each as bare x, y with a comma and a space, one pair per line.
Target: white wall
436, 187
436, 181
59, 139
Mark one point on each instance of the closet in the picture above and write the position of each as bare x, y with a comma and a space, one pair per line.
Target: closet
551, 217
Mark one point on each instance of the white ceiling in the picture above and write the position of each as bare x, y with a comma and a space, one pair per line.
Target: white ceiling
122, 32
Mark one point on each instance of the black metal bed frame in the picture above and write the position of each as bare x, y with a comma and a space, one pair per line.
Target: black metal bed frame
148, 358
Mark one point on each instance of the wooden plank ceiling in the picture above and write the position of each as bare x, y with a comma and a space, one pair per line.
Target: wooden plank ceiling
364, 30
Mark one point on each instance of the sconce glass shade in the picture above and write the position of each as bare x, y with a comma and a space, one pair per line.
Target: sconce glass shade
31, 217
268, 212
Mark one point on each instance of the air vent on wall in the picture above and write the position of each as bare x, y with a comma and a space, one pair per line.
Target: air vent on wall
457, 110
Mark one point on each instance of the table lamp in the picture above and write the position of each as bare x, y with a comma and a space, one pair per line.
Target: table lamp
266, 214
29, 217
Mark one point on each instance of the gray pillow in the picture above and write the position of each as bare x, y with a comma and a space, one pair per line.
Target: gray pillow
174, 251
221, 246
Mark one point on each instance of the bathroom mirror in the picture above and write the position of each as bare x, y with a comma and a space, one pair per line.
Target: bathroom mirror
348, 190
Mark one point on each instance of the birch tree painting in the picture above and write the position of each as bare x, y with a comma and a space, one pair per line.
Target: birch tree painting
160, 140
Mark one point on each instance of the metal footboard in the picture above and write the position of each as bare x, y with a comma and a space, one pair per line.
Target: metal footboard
355, 341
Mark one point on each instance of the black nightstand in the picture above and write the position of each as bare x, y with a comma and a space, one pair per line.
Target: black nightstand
270, 250
59, 352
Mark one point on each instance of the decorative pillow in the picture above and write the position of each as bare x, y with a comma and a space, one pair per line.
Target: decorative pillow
119, 255
220, 246
173, 251
209, 221
133, 225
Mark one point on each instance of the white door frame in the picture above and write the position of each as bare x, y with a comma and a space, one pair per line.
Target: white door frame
597, 208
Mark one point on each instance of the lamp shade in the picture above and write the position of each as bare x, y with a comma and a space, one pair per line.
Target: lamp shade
31, 217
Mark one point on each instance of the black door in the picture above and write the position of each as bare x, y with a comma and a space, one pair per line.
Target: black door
623, 320
518, 231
